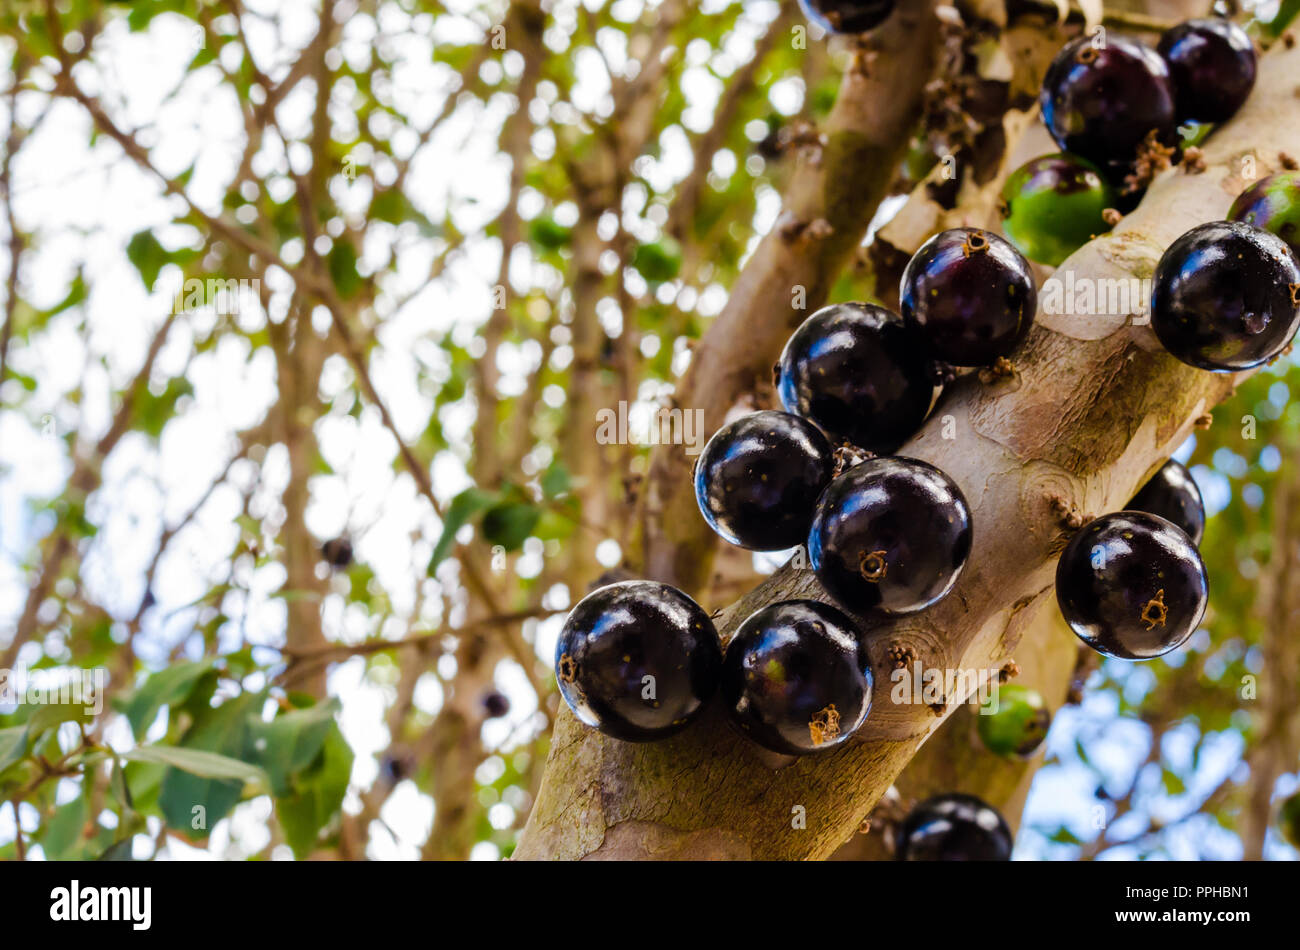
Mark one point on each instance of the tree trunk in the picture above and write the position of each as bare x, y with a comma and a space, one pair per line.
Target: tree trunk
1094, 407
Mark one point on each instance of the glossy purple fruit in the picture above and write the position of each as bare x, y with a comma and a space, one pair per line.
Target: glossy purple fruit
1212, 65
1172, 494
1132, 585
1100, 103
954, 828
637, 660
759, 478
1272, 203
860, 373
1226, 296
796, 678
847, 16
890, 535
971, 294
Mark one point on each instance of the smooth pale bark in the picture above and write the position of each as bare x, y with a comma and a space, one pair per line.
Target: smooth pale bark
1095, 406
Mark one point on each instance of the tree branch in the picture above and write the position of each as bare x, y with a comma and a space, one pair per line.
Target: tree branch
1094, 407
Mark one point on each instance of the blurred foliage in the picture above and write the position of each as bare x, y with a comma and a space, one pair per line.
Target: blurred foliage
204, 719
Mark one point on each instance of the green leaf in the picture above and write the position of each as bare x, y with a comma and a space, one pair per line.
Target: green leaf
1064, 835
61, 834
509, 524
240, 663
17, 776
463, 507
27, 382
1173, 782
659, 261
291, 742
118, 851
389, 205
546, 232
121, 790
143, 784
556, 480
343, 268
204, 56
553, 525
147, 255
75, 295
140, 16
154, 412
1286, 12
53, 715
168, 687
199, 762
206, 774
317, 795
13, 745
392, 206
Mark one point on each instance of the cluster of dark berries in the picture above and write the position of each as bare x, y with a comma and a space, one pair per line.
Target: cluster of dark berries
1226, 295
886, 536
1132, 584
638, 660
889, 535
1114, 106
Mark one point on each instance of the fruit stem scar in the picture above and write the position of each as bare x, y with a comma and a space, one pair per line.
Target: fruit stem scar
975, 243
873, 566
848, 455
1086, 55
568, 669
824, 725
1002, 368
1155, 613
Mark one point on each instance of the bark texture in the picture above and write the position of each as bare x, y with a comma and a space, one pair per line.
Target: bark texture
1094, 407
955, 759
